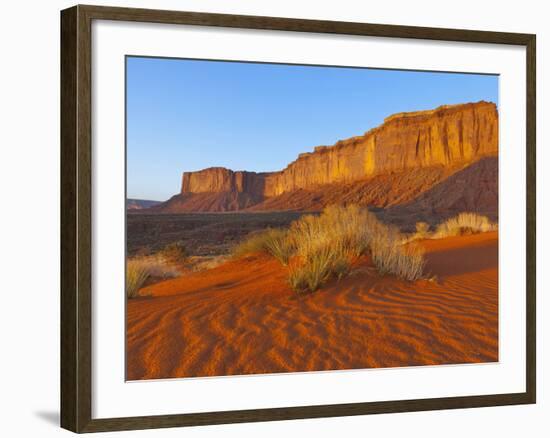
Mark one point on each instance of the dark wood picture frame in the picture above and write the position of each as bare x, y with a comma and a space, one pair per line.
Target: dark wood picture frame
76, 187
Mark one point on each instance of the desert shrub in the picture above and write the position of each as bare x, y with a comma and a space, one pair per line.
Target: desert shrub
317, 248
422, 232
341, 267
347, 231
139, 270
422, 229
278, 244
174, 252
253, 243
464, 223
327, 245
313, 272
410, 262
136, 275
273, 241
391, 257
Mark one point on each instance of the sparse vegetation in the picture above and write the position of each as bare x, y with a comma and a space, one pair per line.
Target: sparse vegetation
331, 242
255, 242
317, 248
341, 267
139, 270
391, 257
312, 272
136, 275
274, 241
464, 223
204, 234
422, 229
279, 245
174, 252
346, 231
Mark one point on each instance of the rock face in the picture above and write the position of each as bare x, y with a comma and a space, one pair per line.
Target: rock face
379, 192
444, 136
220, 179
447, 137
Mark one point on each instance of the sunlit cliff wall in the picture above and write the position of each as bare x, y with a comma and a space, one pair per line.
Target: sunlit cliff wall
447, 135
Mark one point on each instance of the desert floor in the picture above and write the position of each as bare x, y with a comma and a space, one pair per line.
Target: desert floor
204, 234
242, 318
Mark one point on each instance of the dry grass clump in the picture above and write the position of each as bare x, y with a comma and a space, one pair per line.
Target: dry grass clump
347, 231
274, 241
174, 252
139, 270
253, 243
136, 275
327, 245
464, 223
312, 272
422, 230
279, 245
391, 257
318, 248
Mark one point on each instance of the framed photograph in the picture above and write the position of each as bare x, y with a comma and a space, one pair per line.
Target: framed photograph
270, 218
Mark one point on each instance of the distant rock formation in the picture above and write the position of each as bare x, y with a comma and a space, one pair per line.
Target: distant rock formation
449, 137
207, 202
139, 204
220, 179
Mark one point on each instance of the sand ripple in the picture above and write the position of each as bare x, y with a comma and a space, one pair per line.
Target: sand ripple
241, 318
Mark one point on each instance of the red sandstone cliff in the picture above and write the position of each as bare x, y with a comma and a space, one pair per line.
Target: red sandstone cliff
444, 136
448, 137
220, 179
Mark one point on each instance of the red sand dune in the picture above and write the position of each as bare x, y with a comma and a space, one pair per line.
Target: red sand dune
242, 318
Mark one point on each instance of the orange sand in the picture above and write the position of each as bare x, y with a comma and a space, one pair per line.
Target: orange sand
242, 318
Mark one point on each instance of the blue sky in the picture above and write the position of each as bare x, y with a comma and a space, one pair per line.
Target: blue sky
185, 115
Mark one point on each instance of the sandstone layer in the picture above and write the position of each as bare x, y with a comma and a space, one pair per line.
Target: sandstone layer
434, 143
